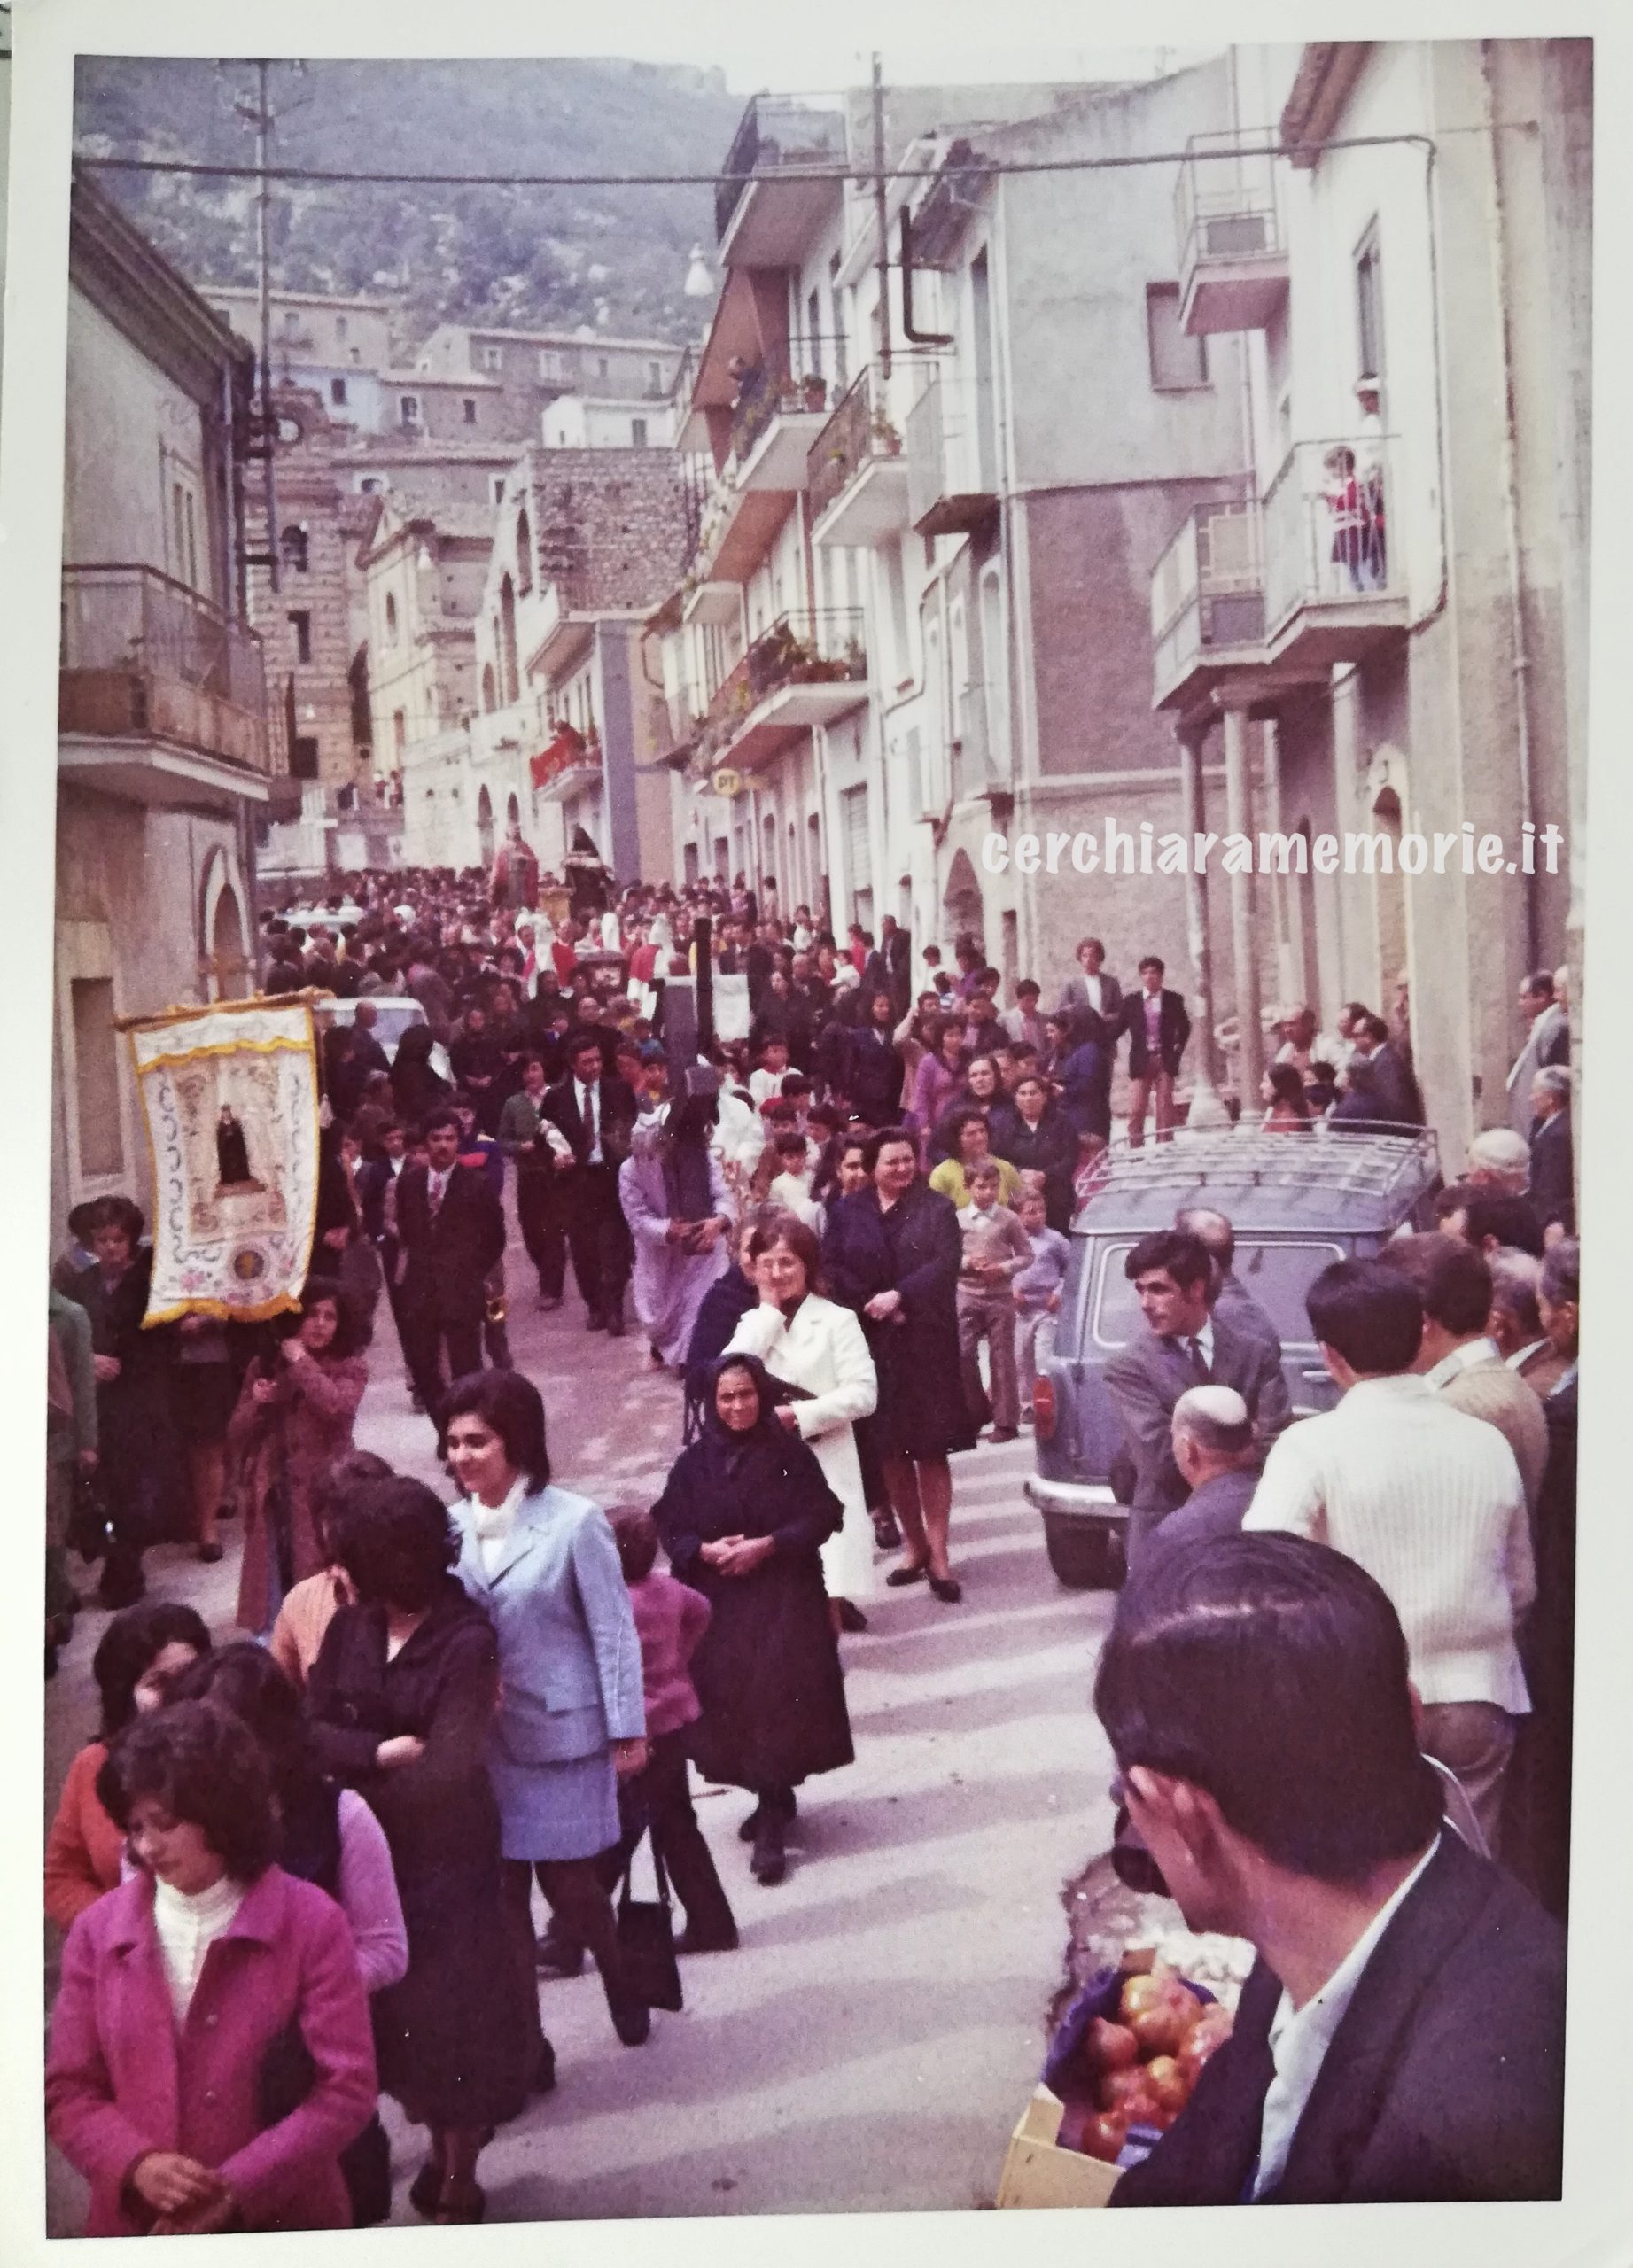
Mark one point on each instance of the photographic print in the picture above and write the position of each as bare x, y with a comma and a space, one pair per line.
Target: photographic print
815, 1161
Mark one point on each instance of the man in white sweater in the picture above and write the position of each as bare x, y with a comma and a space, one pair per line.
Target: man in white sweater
1429, 1502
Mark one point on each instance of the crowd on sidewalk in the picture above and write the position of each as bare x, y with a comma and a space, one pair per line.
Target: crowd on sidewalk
845, 1237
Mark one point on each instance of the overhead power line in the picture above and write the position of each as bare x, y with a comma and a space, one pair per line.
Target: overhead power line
839, 174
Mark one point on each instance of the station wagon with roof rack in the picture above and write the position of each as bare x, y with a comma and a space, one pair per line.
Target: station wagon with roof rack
1296, 1202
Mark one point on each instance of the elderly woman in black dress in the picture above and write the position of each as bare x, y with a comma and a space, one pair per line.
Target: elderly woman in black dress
892, 1253
401, 1700
744, 1517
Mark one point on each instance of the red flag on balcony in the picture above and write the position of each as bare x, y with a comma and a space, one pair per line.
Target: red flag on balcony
567, 747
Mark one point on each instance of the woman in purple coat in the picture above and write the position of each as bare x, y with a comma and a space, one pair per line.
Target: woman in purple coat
184, 1987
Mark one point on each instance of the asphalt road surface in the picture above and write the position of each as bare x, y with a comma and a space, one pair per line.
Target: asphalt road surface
871, 2043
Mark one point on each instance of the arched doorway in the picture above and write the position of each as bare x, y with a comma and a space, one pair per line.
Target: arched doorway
485, 825
224, 962
961, 902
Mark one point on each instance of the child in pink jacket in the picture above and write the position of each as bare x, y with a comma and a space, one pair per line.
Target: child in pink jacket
670, 1620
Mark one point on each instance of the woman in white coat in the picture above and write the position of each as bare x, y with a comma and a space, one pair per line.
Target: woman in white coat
811, 1344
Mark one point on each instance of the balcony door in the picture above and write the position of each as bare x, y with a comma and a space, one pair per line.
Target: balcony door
985, 466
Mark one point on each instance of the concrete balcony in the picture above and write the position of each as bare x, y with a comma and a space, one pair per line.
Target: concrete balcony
561, 632
952, 456
765, 212
1232, 246
803, 671
567, 764
1253, 598
859, 478
716, 602
162, 698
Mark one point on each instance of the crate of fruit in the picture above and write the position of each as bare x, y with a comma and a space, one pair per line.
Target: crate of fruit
1122, 2062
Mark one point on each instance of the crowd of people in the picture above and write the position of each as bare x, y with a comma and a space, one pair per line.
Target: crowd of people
844, 1235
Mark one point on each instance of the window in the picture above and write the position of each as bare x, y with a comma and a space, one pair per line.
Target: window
499, 488
292, 544
601, 367
550, 363
191, 540
814, 327
371, 484
355, 355
400, 729
291, 322
301, 623
96, 1071
637, 433
859, 853
655, 376
1178, 362
303, 760
524, 551
391, 618
468, 406
492, 358
1278, 1275
408, 406
1369, 305
840, 372
490, 689
340, 330
337, 392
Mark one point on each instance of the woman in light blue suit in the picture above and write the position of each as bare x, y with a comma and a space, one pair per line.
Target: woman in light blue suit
571, 1716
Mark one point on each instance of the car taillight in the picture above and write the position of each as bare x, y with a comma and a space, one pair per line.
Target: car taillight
1043, 1410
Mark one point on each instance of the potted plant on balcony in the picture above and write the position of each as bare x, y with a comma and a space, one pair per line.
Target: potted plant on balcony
813, 388
886, 440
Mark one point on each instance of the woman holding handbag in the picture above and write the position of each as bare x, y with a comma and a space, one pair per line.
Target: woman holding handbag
293, 1422
744, 1517
572, 1720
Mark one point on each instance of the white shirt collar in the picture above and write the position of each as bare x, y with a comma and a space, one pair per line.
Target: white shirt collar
1518, 1362
1299, 2039
1461, 1359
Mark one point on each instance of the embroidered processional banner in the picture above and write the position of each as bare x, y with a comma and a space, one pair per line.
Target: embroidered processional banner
229, 1096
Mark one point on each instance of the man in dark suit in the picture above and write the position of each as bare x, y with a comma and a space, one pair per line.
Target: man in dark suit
1220, 1463
1552, 1193
1380, 1089
597, 1113
1158, 1027
451, 1233
1185, 1343
1092, 987
1402, 2036
1232, 1301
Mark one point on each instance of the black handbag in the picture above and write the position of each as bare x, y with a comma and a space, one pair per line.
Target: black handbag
646, 1939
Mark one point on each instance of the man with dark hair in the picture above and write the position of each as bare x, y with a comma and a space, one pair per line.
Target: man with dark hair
1023, 1022
1380, 1090
596, 1114
451, 1233
1553, 1194
1487, 1221
1158, 1028
1182, 1344
1402, 2036
1093, 986
1456, 1356
1429, 1500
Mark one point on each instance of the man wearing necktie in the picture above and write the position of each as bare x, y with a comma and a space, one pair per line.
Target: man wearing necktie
1182, 1343
450, 1232
596, 1114
1401, 2039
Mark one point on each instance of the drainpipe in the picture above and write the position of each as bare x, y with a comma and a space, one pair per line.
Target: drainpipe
1244, 925
1521, 657
1205, 1108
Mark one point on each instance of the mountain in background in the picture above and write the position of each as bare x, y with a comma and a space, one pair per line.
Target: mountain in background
535, 258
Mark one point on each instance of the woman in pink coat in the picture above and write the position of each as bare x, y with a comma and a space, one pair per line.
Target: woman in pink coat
210, 2049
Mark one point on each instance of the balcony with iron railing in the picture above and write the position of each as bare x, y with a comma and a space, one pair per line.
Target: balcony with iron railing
1275, 592
858, 476
1232, 244
951, 456
767, 220
147, 660
804, 670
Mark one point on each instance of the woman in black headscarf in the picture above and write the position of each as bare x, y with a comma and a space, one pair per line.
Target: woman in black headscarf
744, 1516
416, 1087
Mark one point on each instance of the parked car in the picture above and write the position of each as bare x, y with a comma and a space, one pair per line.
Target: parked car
1296, 1203
393, 1013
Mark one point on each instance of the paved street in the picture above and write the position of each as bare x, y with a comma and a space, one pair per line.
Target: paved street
871, 2043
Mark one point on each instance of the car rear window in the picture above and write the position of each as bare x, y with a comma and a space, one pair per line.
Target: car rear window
1276, 1275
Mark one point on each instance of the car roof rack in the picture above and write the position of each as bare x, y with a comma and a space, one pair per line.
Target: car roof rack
1361, 1157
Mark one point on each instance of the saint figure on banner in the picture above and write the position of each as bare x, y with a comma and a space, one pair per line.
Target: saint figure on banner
232, 1154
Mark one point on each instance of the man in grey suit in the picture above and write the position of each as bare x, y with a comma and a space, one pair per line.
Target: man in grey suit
1092, 987
1548, 1042
1185, 1343
1232, 1301
1220, 1463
